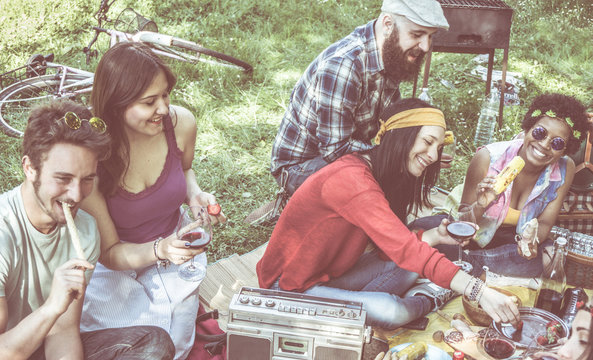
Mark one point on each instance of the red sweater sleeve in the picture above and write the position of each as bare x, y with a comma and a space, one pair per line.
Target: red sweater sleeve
369, 210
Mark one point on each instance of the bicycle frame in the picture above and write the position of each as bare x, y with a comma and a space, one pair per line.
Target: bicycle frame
151, 38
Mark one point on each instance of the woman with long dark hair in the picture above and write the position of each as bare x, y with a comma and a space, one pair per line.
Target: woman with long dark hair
141, 187
343, 234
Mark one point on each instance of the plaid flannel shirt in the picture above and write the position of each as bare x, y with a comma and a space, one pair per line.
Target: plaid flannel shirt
335, 106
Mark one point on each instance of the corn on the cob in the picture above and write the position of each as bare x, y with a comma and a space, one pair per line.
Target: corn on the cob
415, 351
508, 174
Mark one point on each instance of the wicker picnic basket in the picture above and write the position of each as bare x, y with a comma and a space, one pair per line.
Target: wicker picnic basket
579, 259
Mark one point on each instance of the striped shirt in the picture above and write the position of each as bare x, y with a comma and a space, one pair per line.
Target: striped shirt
335, 106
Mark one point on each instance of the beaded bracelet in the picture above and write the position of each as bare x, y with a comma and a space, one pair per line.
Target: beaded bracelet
160, 262
476, 290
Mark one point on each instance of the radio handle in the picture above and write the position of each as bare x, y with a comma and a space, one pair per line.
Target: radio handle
247, 330
368, 334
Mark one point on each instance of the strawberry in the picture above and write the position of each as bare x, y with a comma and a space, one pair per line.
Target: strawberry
213, 209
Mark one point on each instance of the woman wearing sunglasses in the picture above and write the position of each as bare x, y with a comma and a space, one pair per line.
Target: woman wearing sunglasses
552, 129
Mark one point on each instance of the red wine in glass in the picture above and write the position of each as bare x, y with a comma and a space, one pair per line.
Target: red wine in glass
499, 348
461, 230
198, 238
549, 300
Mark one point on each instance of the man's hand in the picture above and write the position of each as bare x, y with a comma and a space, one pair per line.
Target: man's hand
68, 284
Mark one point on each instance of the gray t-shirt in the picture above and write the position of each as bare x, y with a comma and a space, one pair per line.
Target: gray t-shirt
28, 258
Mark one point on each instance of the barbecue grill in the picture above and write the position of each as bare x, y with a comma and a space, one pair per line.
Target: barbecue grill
475, 27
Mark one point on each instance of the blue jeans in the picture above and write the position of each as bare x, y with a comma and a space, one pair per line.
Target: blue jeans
298, 173
379, 285
129, 343
503, 259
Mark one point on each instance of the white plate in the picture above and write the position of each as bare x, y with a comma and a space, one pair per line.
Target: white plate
433, 353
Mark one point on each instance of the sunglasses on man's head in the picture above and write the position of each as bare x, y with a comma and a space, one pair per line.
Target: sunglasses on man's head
74, 122
540, 133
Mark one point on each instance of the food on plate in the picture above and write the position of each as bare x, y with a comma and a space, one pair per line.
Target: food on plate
508, 174
414, 351
553, 328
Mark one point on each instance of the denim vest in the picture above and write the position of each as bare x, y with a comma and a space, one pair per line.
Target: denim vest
544, 190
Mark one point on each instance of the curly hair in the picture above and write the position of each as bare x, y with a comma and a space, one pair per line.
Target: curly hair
563, 107
45, 128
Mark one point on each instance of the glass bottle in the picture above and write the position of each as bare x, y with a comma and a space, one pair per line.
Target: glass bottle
425, 96
488, 118
553, 280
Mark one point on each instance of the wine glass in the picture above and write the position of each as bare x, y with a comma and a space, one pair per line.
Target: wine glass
194, 227
496, 345
462, 227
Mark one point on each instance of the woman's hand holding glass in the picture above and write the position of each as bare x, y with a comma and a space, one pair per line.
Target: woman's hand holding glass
195, 231
462, 227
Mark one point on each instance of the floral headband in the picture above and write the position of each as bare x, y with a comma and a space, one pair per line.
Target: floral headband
552, 114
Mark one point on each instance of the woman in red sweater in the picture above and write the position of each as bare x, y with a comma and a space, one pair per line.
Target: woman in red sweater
321, 242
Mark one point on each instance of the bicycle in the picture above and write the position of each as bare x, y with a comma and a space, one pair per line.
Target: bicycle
38, 81
34, 82
146, 31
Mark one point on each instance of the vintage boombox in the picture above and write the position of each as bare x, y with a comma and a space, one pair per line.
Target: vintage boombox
278, 325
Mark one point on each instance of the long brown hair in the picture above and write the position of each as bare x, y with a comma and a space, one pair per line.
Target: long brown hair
123, 74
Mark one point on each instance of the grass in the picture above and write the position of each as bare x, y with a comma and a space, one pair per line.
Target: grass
238, 114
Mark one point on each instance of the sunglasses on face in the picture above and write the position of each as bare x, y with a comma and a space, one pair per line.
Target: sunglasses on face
74, 122
540, 133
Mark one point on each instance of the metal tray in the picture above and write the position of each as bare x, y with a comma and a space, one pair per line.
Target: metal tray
534, 324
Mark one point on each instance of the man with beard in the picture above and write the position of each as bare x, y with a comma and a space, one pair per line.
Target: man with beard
42, 280
334, 108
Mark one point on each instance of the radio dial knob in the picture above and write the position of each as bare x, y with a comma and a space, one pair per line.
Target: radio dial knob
256, 301
270, 303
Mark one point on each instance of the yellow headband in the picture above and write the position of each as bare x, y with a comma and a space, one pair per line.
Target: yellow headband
409, 118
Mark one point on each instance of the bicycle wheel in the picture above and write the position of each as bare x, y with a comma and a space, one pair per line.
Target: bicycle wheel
17, 100
192, 52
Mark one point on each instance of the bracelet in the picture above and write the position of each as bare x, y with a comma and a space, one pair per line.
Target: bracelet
482, 290
467, 285
159, 262
476, 289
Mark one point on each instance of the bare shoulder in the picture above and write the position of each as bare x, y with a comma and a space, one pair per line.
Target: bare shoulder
182, 118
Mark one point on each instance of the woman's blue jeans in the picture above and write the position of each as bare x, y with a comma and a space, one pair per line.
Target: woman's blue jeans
379, 285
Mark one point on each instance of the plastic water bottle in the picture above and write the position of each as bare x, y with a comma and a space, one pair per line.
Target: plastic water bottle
425, 96
488, 118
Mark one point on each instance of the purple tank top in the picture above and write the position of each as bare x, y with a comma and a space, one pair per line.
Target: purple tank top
153, 212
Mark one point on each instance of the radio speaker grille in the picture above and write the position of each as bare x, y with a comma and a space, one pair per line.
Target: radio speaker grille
325, 353
248, 348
